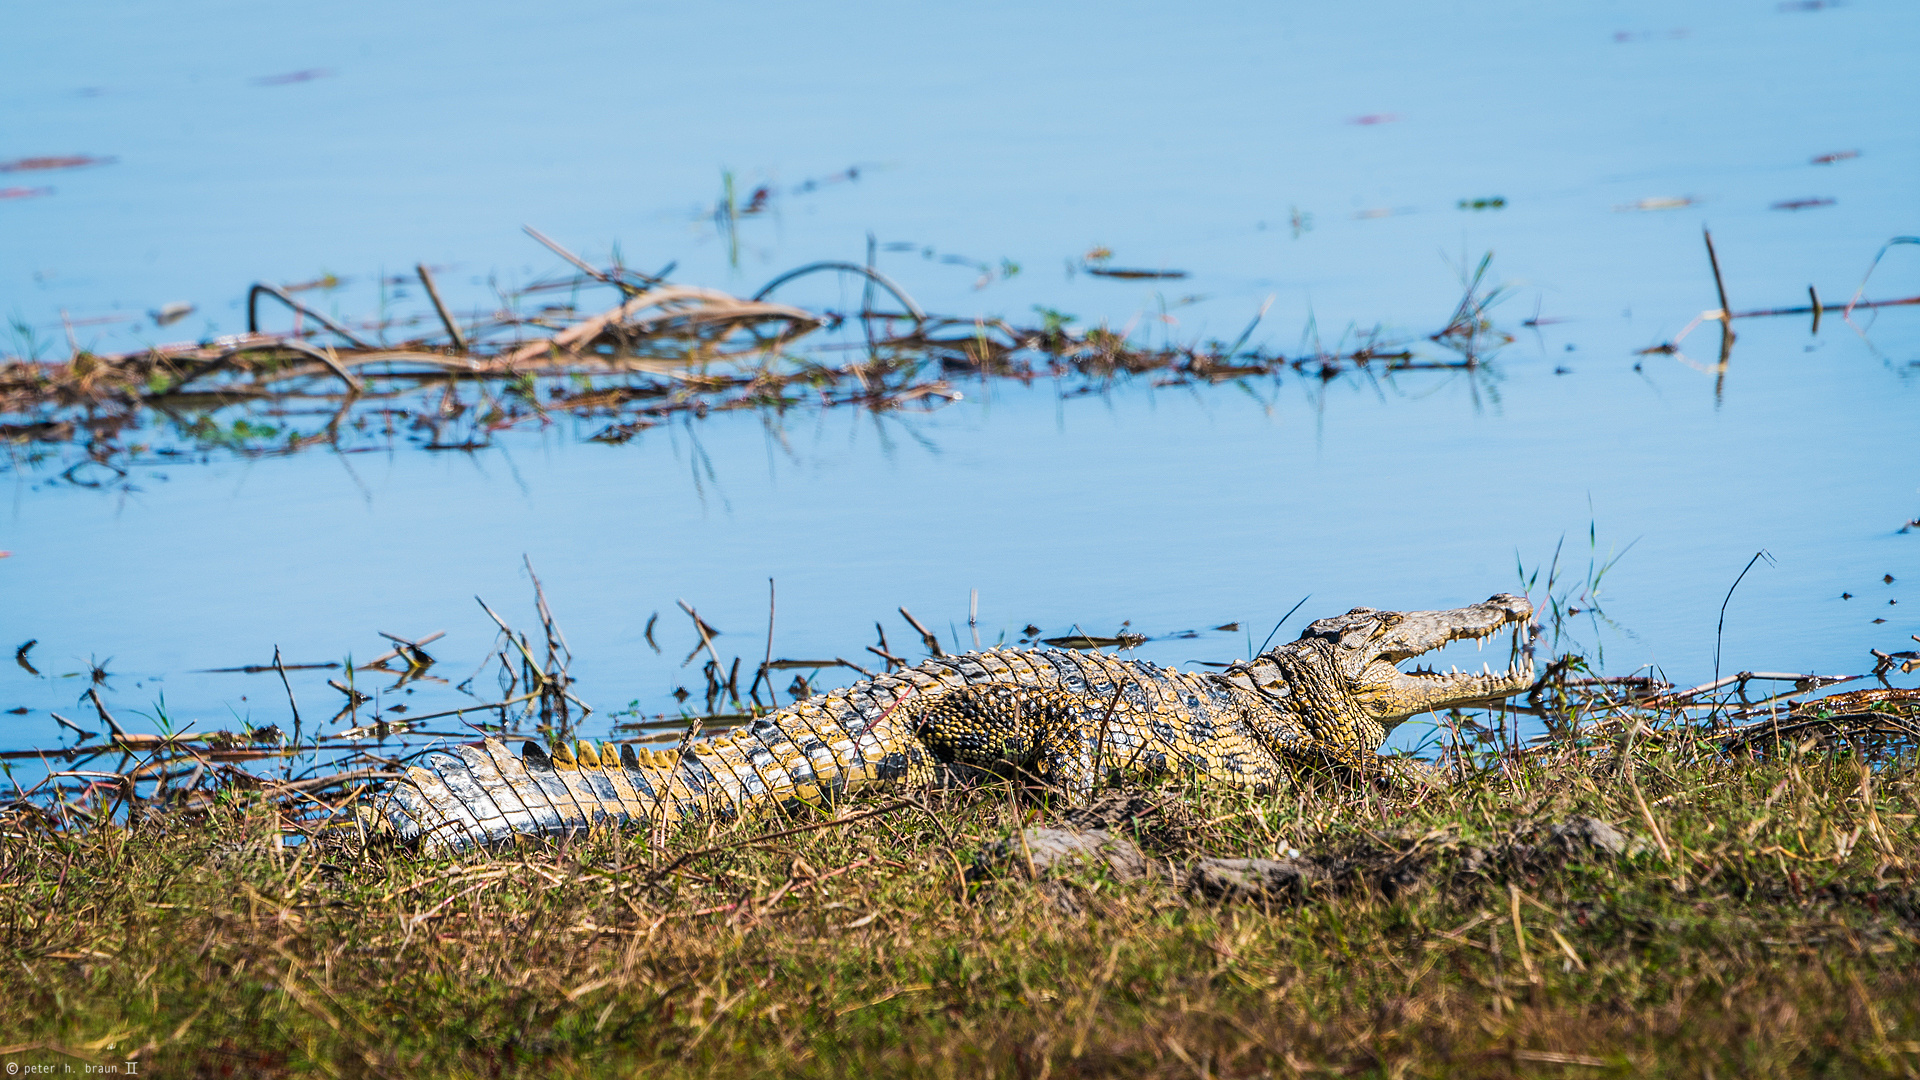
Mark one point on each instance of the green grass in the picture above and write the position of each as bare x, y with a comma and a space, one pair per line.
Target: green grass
1769, 928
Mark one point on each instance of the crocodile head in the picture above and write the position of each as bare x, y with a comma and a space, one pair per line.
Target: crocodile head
1365, 647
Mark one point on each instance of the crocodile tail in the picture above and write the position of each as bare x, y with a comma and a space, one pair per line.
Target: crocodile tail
478, 795
810, 752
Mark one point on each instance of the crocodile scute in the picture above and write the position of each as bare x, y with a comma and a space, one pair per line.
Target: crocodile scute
1069, 719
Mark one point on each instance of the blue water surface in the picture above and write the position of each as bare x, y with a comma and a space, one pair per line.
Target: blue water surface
1313, 156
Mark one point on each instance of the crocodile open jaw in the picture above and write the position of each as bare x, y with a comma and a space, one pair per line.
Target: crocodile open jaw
1371, 643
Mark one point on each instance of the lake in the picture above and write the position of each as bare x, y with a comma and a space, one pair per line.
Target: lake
1344, 166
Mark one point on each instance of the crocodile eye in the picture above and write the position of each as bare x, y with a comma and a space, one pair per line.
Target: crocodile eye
1384, 622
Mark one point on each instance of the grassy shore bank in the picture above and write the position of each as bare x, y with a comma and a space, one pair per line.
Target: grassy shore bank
1762, 920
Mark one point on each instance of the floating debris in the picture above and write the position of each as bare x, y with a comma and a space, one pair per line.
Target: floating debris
1492, 202
65, 161
1802, 204
1372, 119
1091, 641
1841, 155
327, 280
1095, 262
1660, 203
845, 176
99, 320
458, 379
292, 77
1128, 274
24, 192
168, 314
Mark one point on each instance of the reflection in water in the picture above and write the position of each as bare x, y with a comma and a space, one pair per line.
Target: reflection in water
1724, 314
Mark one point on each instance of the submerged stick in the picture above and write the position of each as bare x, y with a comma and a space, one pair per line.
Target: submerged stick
913, 310
1720, 286
275, 291
439, 306
700, 626
1855, 302
576, 260
766, 662
64, 722
105, 716
292, 704
724, 305
325, 357
927, 636
400, 652
1818, 307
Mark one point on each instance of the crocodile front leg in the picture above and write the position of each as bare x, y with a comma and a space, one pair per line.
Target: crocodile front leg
1072, 741
1007, 729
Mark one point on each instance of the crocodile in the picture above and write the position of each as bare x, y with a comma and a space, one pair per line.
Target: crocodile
1068, 719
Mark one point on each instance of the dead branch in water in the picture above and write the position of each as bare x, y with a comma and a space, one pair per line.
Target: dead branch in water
664, 350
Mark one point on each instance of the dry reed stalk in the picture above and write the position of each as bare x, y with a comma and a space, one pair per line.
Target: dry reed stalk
680, 300
927, 637
447, 320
